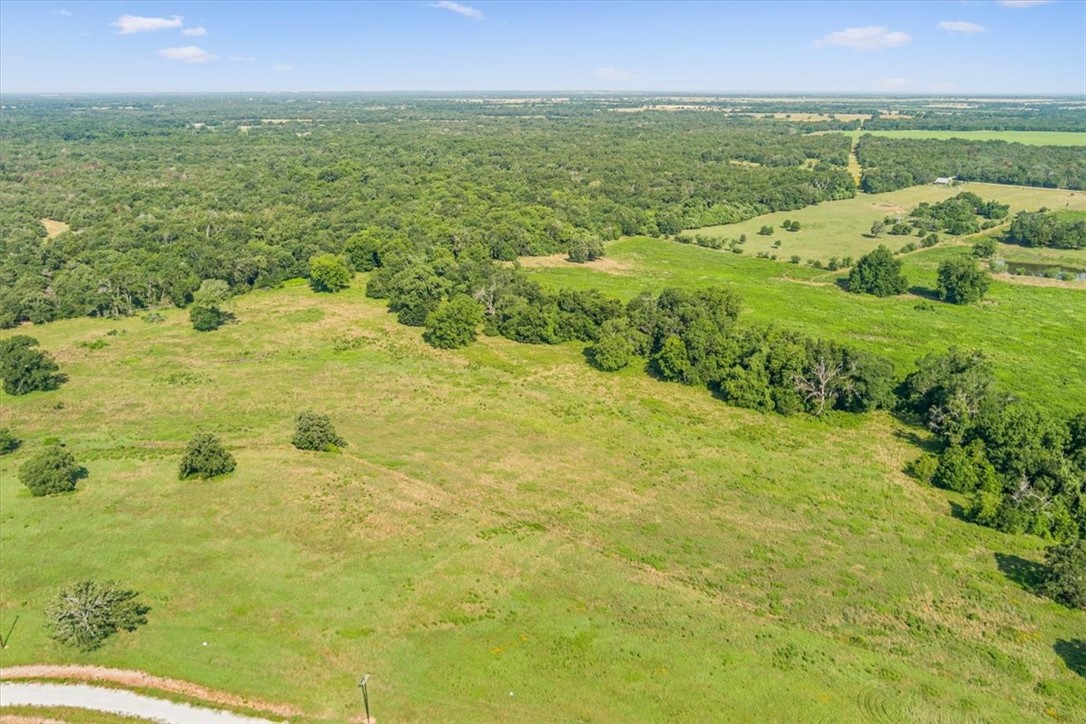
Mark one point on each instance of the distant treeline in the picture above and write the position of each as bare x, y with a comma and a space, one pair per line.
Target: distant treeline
895, 163
155, 206
998, 118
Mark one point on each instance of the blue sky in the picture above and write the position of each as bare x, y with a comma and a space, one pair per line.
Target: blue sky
1011, 47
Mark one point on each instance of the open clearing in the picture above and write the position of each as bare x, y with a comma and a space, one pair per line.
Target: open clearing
1030, 138
470, 552
840, 228
54, 228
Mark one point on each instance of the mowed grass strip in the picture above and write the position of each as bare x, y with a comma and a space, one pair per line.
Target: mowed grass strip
510, 535
842, 228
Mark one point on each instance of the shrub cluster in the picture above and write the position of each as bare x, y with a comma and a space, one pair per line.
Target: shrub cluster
314, 431
205, 457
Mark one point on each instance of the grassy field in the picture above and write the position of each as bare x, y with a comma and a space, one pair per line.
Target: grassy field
513, 536
840, 228
1036, 337
1030, 138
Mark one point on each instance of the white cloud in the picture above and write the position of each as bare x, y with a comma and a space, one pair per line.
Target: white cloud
240, 58
961, 26
609, 73
944, 86
872, 37
62, 13
1019, 4
127, 24
282, 68
194, 32
465, 10
896, 85
187, 54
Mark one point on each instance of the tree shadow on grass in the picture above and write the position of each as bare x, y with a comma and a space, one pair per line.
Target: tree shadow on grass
926, 293
958, 512
926, 444
1073, 653
1027, 574
842, 283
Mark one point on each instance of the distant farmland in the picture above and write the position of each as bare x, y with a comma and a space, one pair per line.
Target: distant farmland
1030, 138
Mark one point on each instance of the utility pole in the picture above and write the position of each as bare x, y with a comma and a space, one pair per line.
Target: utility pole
366, 696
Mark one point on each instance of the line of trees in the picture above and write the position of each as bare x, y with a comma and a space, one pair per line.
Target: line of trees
1047, 229
896, 163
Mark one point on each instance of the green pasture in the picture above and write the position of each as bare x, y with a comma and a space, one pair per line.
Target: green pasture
842, 228
512, 535
1035, 337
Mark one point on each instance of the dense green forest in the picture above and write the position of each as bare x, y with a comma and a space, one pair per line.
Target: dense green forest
894, 163
157, 202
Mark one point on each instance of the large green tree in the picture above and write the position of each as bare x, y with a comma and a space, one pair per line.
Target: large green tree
25, 368
454, 323
878, 273
50, 471
961, 281
328, 273
205, 457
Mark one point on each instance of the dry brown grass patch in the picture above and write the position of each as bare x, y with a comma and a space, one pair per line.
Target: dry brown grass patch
54, 228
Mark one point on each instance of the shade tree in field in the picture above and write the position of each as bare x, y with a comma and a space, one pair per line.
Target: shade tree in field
947, 390
314, 431
878, 273
961, 281
205, 457
85, 614
25, 368
586, 248
50, 471
206, 313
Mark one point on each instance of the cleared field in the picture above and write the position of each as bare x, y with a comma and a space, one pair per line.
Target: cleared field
54, 228
1035, 337
840, 228
1030, 138
513, 536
